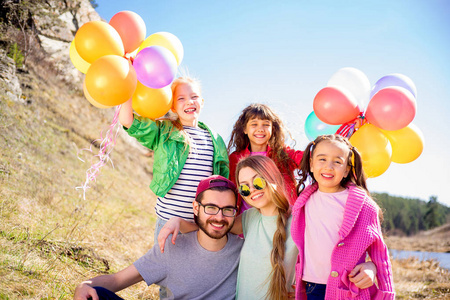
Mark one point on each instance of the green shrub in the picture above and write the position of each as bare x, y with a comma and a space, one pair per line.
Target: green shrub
15, 53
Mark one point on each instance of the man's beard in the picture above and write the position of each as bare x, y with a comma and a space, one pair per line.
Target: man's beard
212, 233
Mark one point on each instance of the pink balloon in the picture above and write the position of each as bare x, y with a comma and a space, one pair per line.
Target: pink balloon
391, 108
335, 106
155, 67
131, 29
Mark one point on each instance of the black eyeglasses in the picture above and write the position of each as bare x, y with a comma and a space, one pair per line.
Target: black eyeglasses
258, 183
211, 209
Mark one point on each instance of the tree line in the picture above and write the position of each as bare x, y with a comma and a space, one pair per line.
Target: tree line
409, 216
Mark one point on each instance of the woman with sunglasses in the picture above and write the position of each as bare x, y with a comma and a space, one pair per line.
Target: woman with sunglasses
267, 265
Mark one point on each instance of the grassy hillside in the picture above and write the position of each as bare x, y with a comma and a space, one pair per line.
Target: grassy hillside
50, 237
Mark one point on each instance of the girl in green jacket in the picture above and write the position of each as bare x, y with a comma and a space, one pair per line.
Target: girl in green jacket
185, 151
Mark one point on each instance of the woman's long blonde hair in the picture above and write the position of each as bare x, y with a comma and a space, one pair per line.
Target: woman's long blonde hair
266, 168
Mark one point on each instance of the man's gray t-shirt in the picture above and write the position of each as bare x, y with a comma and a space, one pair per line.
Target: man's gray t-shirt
191, 272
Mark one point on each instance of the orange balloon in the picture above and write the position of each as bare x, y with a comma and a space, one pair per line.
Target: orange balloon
96, 39
131, 29
92, 100
407, 143
152, 103
166, 40
76, 59
111, 80
374, 148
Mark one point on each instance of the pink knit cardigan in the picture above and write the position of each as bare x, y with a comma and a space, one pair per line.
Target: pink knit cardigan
360, 232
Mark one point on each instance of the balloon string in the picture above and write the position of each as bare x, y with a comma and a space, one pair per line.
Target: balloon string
349, 128
106, 146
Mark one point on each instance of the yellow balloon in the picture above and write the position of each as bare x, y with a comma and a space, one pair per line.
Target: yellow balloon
76, 59
111, 80
374, 148
407, 143
152, 103
166, 40
92, 100
96, 39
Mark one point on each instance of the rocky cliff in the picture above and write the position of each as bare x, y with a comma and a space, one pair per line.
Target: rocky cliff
46, 28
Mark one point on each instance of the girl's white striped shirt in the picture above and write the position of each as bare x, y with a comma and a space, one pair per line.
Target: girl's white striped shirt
199, 165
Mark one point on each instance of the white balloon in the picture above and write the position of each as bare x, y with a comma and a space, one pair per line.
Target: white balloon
355, 82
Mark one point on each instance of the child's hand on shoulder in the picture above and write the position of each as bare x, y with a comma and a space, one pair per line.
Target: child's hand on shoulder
171, 227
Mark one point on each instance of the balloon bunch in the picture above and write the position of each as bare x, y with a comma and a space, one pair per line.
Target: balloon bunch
120, 63
383, 132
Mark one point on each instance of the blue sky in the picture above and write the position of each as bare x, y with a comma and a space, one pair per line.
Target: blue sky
282, 53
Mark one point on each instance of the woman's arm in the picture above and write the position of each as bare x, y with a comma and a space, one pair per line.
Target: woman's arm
237, 226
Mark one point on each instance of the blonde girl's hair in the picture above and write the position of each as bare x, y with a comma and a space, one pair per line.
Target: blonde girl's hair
266, 168
239, 141
355, 175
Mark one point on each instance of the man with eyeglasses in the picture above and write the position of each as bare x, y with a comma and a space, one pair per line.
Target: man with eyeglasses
202, 265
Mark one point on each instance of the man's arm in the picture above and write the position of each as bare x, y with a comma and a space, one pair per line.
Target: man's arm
113, 282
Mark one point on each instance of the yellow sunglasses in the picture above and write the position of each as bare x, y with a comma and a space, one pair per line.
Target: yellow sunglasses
258, 183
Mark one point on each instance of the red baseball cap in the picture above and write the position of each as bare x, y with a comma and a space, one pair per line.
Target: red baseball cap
215, 181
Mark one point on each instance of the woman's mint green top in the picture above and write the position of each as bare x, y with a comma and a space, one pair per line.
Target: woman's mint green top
255, 266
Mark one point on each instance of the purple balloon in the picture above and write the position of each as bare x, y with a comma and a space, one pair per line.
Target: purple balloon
155, 67
394, 80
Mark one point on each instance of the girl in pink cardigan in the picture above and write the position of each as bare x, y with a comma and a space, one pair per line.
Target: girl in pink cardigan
336, 224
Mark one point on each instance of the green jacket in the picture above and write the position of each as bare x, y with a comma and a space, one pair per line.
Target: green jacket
171, 151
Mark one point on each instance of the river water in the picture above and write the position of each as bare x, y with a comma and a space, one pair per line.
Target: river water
442, 258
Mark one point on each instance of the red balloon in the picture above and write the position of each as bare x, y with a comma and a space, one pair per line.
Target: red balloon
131, 29
335, 106
391, 108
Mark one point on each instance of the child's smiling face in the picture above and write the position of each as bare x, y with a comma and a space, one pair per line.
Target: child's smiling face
188, 103
329, 164
259, 133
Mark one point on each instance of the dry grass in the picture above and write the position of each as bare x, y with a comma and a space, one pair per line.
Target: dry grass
416, 279
50, 237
